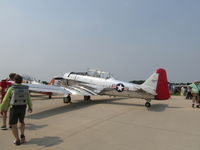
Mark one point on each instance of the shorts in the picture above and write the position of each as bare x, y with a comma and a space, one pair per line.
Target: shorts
196, 96
17, 113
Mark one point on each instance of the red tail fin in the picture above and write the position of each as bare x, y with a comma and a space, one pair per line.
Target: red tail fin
162, 89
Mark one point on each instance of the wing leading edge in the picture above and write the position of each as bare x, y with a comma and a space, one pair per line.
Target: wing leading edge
74, 90
47, 88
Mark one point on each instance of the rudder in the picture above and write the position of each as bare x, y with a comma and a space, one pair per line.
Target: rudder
162, 89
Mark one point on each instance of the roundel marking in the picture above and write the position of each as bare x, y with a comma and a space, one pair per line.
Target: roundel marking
119, 87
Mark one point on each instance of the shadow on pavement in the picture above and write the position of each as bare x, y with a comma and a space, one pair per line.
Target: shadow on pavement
46, 141
72, 107
160, 107
35, 127
84, 104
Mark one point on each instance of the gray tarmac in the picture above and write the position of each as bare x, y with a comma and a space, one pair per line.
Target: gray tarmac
109, 124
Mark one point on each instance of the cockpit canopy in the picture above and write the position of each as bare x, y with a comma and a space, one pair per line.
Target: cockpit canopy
99, 74
94, 73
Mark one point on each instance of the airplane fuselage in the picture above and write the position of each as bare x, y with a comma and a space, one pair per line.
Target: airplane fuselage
104, 86
95, 82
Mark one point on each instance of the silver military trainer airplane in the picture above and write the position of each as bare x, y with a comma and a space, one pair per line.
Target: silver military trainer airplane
96, 82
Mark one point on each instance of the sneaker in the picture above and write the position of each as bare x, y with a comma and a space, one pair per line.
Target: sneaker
192, 105
17, 142
22, 138
3, 128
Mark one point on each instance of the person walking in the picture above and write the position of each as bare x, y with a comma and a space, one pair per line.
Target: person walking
17, 98
189, 94
4, 85
195, 93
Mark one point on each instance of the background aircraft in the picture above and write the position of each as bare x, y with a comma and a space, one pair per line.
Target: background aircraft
31, 80
96, 82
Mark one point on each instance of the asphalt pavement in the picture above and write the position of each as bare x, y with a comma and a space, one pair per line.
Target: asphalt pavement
108, 123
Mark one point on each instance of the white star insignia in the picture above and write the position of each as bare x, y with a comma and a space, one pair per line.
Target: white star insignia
120, 88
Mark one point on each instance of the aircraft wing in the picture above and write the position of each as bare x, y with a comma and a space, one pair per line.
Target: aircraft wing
47, 88
74, 90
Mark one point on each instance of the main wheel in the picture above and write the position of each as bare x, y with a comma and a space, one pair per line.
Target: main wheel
87, 98
67, 99
50, 96
147, 104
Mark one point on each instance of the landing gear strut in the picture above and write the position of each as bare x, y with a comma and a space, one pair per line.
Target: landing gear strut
67, 99
87, 98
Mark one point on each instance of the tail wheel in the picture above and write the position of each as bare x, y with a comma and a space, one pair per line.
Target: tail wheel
147, 104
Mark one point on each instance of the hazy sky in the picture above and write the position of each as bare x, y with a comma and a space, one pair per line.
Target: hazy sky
130, 38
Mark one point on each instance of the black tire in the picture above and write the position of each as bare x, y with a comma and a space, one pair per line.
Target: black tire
87, 98
147, 104
67, 99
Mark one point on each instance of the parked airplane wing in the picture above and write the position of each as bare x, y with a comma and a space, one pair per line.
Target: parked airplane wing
47, 88
74, 90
